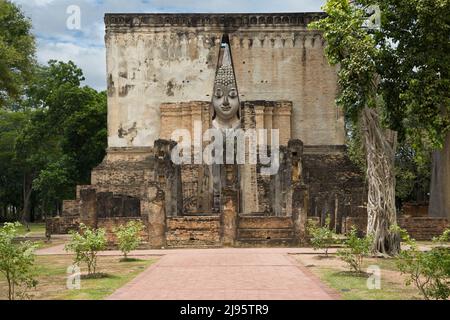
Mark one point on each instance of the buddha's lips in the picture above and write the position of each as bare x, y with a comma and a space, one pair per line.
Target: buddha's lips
226, 108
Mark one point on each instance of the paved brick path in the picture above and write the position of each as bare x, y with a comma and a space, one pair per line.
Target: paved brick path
230, 274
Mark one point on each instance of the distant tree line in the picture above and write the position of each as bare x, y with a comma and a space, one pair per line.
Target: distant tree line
52, 129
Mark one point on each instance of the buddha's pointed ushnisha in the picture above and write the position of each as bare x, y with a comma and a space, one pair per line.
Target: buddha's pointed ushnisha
225, 100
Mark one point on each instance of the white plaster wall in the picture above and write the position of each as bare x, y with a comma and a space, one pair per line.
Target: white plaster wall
148, 66
146, 69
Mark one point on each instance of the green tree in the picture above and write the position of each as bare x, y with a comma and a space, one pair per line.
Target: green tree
35, 148
55, 182
428, 271
16, 262
86, 244
322, 237
11, 123
129, 236
355, 251
65, 138
84, 137
354, 49
17, 49
414, 66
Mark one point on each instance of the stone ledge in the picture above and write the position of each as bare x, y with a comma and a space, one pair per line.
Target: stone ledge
135, 20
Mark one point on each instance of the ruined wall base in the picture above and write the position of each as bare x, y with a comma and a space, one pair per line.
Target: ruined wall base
419, 228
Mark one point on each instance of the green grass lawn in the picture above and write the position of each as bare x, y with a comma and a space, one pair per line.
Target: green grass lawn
52, 276
352, 286
35, 229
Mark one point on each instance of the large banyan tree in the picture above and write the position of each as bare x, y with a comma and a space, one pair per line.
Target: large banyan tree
352, 46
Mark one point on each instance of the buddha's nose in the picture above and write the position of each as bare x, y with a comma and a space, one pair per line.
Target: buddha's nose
225, 101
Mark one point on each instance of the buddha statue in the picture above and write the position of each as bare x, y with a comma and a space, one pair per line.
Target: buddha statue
225, 100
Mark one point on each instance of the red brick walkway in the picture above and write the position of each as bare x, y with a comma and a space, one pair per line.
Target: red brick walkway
230, 274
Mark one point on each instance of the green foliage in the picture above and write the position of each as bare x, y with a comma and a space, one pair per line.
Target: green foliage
60, 138
322, 237
54, 182
356, 249
16, 262
10, 171
429, 270
129, 236
415, 71
355, 146
86, 244
17, 48
443, 238
412, 176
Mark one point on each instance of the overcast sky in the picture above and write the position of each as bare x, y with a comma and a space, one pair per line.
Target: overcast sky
86, 46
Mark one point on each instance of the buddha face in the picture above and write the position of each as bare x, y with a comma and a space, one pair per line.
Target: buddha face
226, 101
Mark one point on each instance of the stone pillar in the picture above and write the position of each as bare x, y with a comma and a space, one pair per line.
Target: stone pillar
300, 214
88, 207
253, 118
168, 176
300, 194
268, 121
282, 120
230, 206
156, 218
170, 119
259, 116
229, 219
186, 117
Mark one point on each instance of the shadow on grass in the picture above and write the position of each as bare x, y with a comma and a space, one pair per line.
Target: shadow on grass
324, 257
358, 274
98, 275
130, 260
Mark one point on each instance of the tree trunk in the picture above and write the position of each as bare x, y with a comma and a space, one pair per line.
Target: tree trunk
380, 148
27, 189
440, 182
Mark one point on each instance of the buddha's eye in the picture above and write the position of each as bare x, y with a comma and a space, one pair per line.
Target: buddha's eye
219, 93
233, 93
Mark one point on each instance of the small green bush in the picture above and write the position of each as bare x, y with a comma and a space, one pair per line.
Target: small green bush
129, 236
355, 251
444, 238
429, 271
322, 237
86, 244
17, 262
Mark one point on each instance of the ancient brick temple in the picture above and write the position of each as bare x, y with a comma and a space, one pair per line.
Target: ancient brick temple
194, 72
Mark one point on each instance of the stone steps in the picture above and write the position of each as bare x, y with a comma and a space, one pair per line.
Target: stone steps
265, 231
258, 222
193, 232
263, 243
267, 234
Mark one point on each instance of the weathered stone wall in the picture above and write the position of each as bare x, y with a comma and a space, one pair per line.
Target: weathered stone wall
71, 208
110, 205
61, 225
289, 64
336, 187
415, 209
262, 230
424, 228
162, 58
109, 224
149, 64
185, 116
419, 228
193, 231
125, 171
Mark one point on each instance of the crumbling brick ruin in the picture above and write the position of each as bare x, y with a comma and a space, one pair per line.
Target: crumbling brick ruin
163, 73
